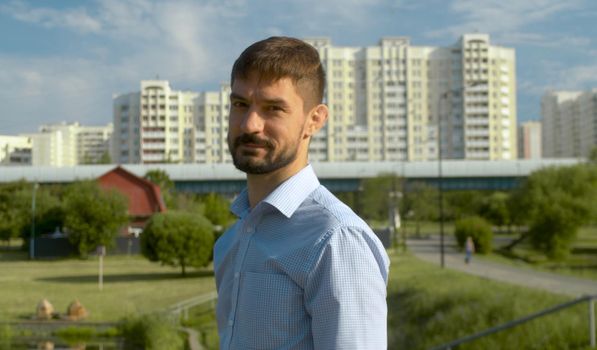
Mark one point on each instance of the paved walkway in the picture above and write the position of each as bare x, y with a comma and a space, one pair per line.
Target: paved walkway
429, 249
193, 339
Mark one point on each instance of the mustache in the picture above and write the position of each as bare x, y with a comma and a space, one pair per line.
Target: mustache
253, 139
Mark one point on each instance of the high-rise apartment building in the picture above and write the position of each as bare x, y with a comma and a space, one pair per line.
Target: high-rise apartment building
15, 150
68, 144
94, 144
388, 102
529, 140
569, 122
158, 125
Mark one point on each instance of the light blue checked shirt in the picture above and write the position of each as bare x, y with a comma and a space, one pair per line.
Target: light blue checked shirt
300, 271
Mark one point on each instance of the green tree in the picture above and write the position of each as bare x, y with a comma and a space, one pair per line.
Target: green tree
188, 202
93, 215
105, 158
49, 214
494, 208
420, 203
556, 202
376, 196
178, 239
162, 179
462, 204
217, 210
15, 209
593, 156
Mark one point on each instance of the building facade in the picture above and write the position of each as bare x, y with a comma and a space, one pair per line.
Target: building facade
161, 125
69, 144
15, 150
94, 144
394, 101
529, 140
389, 102
569, 122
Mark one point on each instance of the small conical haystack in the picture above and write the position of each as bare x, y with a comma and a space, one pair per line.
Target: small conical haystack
76, 311
45, 310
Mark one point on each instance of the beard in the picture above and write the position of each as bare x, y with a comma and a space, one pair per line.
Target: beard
248, 161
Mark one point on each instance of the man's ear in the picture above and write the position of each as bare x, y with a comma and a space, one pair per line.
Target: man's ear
316, 119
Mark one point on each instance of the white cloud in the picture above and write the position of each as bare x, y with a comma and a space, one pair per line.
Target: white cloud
75, 19
316, 16
557, 75
543, 40
181, 41
502, 17
578, 78
55, 89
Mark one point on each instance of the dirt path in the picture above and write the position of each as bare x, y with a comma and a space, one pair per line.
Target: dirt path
429, 250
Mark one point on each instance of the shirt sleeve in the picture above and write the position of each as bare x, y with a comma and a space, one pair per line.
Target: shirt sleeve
345, 294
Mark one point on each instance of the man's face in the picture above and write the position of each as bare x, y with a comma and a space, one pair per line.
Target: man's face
266, 125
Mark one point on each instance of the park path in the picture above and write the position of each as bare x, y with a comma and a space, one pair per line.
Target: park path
193, 339
428, 249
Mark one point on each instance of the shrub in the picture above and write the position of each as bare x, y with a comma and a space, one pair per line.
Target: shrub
74, 335
478, 229
151, 332
6, 335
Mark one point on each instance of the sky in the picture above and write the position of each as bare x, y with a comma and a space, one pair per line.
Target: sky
63, 60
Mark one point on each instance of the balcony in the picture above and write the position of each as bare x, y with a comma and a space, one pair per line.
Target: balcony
154, 146
476, 110
152, 157
477, 144
477, 121
154, 134
477, 132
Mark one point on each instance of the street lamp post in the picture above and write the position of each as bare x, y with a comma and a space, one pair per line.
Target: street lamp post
440, 180
32, 237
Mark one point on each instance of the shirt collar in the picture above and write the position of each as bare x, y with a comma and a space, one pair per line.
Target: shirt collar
240, 206
291, 193
286, 198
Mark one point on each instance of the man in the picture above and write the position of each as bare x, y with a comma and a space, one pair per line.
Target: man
298, 270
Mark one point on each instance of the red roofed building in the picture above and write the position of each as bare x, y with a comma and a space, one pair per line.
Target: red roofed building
144, 197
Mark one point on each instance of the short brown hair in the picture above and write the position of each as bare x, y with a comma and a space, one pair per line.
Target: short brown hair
279, 57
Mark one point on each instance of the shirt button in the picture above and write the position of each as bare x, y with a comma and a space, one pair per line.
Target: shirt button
230, 322
250, 229
236, 274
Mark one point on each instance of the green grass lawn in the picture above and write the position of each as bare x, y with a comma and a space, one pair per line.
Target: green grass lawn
582, 261
131, 285
429, 306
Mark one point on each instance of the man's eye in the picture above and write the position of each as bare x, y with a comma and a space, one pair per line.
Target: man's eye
274, 108
239, 104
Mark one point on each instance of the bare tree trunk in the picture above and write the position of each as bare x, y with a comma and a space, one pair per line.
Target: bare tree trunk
515, 242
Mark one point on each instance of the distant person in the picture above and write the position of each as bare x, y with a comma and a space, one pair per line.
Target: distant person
299, 269
469, 249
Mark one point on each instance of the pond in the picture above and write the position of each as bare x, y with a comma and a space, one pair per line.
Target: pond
36, 343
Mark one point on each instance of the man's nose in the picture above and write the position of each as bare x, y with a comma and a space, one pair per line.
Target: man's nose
252, 122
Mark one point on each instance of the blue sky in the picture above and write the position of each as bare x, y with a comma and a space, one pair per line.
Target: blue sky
64, 60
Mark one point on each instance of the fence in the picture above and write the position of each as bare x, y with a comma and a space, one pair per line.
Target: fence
182, 308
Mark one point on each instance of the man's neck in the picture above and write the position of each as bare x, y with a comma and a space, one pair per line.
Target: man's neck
260, 186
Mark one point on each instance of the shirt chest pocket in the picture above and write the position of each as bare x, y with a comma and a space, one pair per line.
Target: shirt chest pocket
270, 311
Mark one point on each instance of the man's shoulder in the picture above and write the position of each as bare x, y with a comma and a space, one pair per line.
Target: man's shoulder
331, 210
